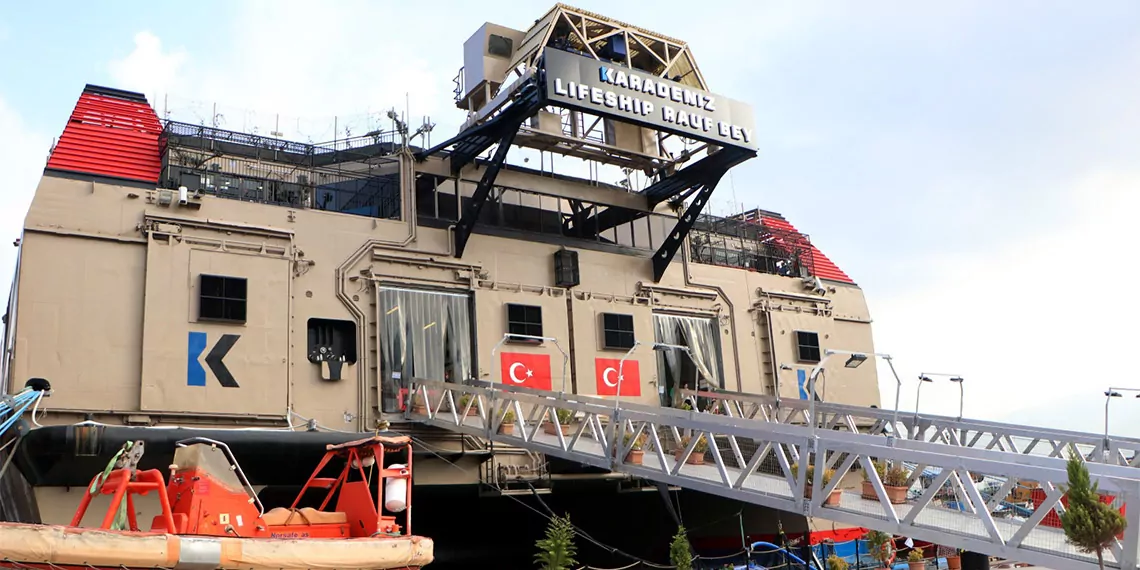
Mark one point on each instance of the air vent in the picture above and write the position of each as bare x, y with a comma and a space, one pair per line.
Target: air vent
566, 268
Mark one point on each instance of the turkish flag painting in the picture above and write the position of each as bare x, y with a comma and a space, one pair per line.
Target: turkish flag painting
606, 373
526, 370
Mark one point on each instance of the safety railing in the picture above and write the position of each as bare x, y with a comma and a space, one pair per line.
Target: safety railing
1013, 438
953, 496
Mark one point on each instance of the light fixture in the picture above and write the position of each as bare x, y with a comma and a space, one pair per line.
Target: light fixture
925, 378
1112, 394
957, 379
855, 360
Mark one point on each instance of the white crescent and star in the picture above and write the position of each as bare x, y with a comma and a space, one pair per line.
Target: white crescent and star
606, 377
514, 378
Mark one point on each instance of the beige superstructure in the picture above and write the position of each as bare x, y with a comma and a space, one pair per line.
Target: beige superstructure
173, 274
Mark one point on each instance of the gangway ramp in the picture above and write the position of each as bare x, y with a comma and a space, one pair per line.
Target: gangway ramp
752, 460
1032, 440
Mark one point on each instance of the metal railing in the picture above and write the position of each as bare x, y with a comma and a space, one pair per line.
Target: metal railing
964, 432
950, 500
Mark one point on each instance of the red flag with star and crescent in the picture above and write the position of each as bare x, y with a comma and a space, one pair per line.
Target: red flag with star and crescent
526, 370
606, 373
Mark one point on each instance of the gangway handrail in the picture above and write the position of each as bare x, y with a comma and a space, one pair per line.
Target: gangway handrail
916, 424
739, 448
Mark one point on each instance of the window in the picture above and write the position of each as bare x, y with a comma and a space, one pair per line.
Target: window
222, 298
807, 346
524, 320
617, 331
500, 46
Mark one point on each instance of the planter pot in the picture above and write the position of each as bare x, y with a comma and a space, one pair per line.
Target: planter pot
507, 429
419, 409
634, 457
551, 428
833, 498
917, 565
896, 495
695, 458
472, 411
954, 562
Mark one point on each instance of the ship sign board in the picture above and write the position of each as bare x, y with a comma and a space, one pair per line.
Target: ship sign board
608, 89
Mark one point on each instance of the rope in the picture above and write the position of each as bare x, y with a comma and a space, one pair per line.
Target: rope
121, 521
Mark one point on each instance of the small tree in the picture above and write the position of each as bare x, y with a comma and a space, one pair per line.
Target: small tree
1089, 524
881, 546
557, 550
679, 553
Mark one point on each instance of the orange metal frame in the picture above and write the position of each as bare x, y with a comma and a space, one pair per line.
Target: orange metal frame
120, 485
365, 513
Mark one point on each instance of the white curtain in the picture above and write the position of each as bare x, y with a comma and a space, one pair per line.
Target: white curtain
700, 335
421, 333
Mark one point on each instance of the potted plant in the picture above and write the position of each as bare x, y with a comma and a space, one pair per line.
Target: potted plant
894, 479
564, 418
507, 426
832, 498
915, 560
419, 406
467, 399
836, 563
636, 448
697, 457
954, 560
881, 546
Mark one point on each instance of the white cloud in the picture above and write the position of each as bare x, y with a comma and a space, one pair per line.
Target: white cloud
148, 68
1042, 324
23, 154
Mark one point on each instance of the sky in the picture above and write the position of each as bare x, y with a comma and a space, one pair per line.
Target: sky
973, 165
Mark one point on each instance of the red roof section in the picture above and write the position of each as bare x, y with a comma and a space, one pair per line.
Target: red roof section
111, 133
822, 267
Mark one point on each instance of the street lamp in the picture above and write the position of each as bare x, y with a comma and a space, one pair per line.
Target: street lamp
922, 379
782, 367
854, 359
956, 378
1108, 396
550, 339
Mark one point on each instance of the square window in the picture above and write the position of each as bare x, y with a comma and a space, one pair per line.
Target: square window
222, 298
500, 46
807, 346
524, 320
617, 331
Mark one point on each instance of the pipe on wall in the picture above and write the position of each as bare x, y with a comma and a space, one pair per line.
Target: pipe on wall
728, 303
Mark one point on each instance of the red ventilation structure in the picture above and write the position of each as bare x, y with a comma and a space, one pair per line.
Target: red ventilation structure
111, 133
822, 267
819, 263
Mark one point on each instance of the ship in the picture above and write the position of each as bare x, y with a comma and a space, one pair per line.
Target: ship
177, 279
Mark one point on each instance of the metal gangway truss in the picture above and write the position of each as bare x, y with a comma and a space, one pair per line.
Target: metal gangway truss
752, 447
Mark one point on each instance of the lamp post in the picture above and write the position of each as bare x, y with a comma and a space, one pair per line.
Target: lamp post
854, 360
777, 387
922, 379
509, 336
1108, 396
956, 378
617, 397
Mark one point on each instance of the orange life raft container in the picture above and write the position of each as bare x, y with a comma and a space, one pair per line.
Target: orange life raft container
211, 518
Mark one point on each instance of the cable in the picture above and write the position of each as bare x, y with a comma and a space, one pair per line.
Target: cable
35, 408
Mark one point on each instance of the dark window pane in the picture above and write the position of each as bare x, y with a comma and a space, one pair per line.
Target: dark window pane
212, 286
